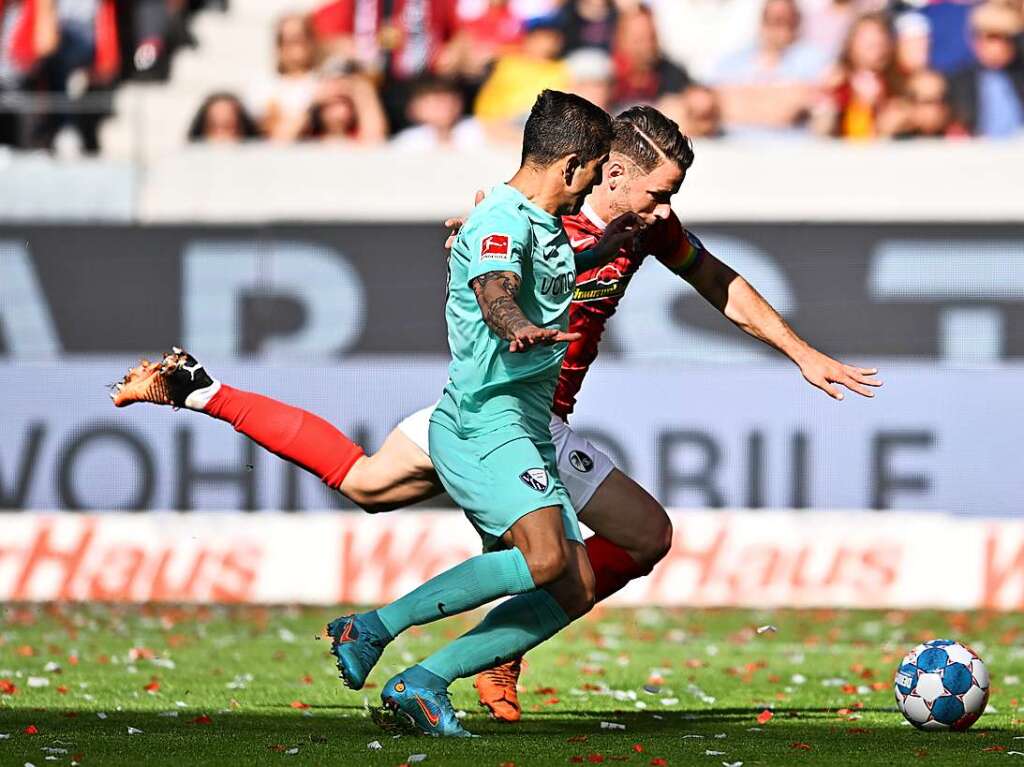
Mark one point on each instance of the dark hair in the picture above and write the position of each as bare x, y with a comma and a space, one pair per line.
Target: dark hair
197, 128
430, 84
317, 128
561, 124
649, 138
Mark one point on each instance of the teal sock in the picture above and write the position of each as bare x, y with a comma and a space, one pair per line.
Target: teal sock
508, 631
475, 582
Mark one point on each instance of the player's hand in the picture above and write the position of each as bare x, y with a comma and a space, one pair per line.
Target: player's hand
455, 224
619, 233
530, 336
822, 371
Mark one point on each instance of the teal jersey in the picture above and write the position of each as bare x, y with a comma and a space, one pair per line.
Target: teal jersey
490, 387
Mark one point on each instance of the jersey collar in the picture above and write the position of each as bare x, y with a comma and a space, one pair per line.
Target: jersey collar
592, 216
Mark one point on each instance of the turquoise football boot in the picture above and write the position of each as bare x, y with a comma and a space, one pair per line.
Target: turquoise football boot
357, 642
422, 699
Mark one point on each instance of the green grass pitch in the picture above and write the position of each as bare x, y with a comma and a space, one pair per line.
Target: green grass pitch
103, 685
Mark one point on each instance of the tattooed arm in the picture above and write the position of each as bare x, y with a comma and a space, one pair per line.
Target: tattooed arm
496, 294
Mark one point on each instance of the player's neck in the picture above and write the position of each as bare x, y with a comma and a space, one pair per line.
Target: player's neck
540, 188
598, 202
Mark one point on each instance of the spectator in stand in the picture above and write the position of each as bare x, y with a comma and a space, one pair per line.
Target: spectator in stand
698, 34
865, 78
281, 105
347, 110
923, 111
592, 76
913, 41
588, 24
698, 111
517, 78
826, 25
988, 97
436, 119
950, 48
768, 87
28, 34
484, 34
222, 119
642, 73
396, 41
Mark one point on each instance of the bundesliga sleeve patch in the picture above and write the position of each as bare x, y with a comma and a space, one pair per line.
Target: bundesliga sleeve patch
496, 247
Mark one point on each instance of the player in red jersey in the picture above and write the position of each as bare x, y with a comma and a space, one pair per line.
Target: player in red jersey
632, 531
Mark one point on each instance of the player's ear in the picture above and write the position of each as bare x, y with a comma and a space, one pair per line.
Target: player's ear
614, 170
572, 164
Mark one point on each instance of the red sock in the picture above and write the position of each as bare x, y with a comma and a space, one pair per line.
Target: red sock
294, 434
612, 565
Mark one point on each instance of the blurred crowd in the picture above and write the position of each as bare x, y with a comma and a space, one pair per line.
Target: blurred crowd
60, 60
462, 73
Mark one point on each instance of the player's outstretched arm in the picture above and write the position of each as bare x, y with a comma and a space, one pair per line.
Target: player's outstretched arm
732, 295
496, 294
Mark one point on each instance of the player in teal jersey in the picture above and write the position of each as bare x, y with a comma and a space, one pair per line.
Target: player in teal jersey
511, 279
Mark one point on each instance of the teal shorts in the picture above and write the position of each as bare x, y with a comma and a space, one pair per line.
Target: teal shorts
500, 477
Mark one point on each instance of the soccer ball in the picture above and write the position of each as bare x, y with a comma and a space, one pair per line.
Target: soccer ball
942, 685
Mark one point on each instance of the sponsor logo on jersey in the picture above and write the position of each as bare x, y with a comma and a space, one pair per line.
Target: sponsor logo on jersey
559, 285
581, 461
609, 282
496, 247
579, 242
535, 478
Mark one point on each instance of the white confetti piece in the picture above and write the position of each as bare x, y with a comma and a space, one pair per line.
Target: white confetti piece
52, 667
168, 713
37, 681
460, 714
767, 629
134, 731
163, 663
5, 735
755, 729
669, 701
990, 709
1015, 753
720, 735
798, 679
709, 752
833, 682
612, 726
292, 751
29, 764
52, 750
101, 715
1011, 679
285, 635
374, 745
180, 703
640, 704
413, 758
732, 764
687, 737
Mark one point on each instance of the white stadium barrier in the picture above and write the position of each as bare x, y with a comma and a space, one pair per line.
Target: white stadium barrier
724, 558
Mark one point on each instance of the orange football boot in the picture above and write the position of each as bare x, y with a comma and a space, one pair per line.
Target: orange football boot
496, 688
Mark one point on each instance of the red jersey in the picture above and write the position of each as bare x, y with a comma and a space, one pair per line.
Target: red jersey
599, 290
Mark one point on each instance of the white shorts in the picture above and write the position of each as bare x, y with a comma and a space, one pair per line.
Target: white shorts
581, 465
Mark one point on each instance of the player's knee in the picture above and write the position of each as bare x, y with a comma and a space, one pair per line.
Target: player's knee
582, 597
547, 564
657, 540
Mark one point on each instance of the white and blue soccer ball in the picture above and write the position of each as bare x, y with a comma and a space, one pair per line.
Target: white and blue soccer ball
942, 685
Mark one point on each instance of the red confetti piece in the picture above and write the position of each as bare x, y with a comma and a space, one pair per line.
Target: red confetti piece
576, 759
307, 679
858, 730
7, 687
73, 660
638, 747
577, 739
552, 702
299, 704
659, 762
62, 689
545, 691
31, 730
202, 719
595, 758
994, 748
800, 746
843, 712
141, 653
849, 689
880, 686
764, 717
153, 686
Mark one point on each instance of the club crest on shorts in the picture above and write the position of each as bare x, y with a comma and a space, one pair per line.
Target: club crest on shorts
581, 461
535, 478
